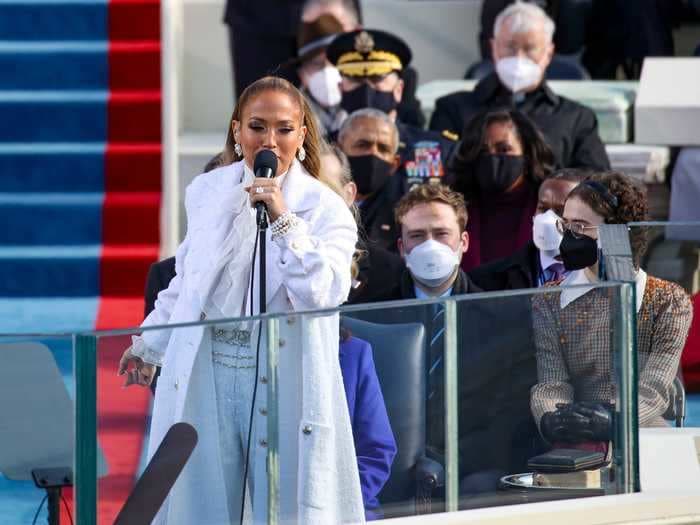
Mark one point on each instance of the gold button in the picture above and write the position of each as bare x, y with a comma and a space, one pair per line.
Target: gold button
306, 430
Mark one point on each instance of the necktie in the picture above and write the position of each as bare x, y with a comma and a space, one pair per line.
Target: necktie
554, 272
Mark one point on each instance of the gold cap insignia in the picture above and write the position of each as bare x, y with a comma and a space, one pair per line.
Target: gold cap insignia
364, 43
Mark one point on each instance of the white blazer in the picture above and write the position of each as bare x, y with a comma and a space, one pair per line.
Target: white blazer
307, 269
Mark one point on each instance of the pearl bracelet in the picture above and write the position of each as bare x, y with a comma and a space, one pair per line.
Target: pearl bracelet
283, 224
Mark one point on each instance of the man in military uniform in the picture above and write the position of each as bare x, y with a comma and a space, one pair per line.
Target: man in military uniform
522, 49
371, 63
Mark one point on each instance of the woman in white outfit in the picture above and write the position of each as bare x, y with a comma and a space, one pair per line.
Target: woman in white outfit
208, 373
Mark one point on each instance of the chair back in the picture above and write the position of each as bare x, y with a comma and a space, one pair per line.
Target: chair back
399, 352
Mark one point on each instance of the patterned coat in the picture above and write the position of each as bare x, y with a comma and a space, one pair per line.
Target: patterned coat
574, 357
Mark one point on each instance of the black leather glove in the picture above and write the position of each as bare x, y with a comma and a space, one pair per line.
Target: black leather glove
553, 426
590, 421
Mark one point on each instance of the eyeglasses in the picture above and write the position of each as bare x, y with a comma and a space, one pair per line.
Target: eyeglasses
576, 228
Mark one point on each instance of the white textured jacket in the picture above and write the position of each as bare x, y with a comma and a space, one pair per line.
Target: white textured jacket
309, 268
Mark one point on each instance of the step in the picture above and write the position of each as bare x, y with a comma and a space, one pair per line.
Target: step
79, 20
33, 219
79, 168
75, 271
123, 269
50, 271
75, 65
79, 116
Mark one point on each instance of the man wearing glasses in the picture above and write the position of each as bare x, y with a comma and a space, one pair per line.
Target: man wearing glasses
522, 49
371, 65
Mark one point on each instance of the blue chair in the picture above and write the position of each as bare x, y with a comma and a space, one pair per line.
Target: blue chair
400, 359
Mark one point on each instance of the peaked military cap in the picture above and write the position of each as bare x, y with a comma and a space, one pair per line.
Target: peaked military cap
368, 52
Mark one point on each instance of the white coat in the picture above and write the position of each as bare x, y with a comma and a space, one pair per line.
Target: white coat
307, 269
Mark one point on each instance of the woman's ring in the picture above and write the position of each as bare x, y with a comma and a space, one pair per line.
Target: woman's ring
259, 189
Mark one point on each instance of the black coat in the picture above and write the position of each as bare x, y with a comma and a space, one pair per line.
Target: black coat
159, 276
377, 216
515, 272
497, 369
379, 271
571, 130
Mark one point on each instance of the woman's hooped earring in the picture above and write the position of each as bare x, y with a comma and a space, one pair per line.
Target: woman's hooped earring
301, 154
237, 148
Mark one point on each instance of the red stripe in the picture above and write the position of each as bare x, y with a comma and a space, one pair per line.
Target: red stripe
130, 233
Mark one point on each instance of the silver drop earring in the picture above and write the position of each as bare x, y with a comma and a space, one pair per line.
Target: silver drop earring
237, 148
301, 154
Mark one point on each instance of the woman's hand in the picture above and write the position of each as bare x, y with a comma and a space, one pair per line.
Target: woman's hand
267, 191
141, 374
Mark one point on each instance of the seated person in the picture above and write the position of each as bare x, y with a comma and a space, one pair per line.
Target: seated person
497, 366
374, 440
372, 65
575, 388
377, 269
498, 167
319, 79
538, 262
370, 140
522, 49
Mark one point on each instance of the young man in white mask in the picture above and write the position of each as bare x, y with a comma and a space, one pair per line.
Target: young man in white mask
538, 262
521, 51
496, 369
432, 220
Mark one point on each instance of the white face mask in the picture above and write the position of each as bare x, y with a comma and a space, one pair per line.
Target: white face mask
545, 234
518, 73
431, 263
324, 86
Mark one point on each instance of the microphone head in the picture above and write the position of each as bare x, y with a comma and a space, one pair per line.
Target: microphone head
265, 159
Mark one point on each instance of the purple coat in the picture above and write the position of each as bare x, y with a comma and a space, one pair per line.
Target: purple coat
374, 441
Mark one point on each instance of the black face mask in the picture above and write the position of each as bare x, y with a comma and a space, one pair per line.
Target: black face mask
370, 173
497, 173
366, 96
577, 254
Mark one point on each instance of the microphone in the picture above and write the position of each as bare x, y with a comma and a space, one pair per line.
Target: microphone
265, 166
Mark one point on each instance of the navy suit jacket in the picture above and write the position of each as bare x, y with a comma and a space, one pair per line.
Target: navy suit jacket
374, 440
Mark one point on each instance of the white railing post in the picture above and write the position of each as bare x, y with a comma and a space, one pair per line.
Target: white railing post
172, 51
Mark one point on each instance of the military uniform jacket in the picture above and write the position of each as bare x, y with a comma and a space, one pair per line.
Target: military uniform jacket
571, 129
423, 155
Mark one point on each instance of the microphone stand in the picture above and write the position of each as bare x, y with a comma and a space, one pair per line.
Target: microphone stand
262, 229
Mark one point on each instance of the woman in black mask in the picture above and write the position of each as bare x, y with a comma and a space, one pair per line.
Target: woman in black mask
572, 402
498, 166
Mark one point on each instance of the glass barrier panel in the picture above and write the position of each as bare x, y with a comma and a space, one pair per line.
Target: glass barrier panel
669, 255
37, 429
432, 406
207, 376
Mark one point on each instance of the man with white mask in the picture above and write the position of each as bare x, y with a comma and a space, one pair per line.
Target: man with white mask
319, 79
432, 221
496, 370
521, 50
538, 262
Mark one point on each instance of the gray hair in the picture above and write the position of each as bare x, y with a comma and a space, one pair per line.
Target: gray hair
348, 5
369, 113
524, 17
